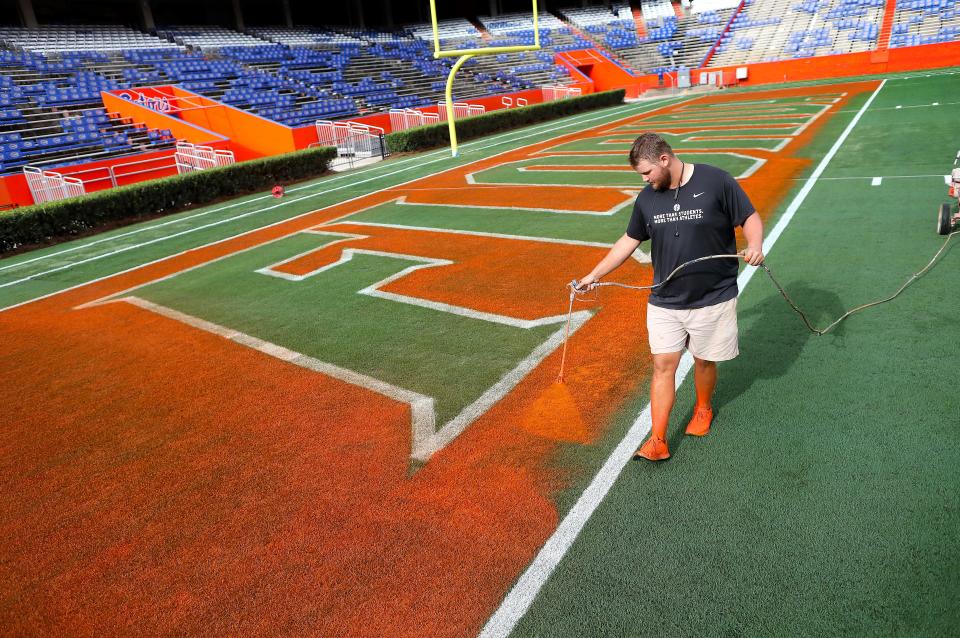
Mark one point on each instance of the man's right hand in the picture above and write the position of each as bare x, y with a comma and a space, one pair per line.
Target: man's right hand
583, 285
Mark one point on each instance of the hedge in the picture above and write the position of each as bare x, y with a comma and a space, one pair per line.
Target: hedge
42, 223
433, 135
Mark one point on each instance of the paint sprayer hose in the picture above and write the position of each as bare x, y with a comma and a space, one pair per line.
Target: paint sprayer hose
575, 291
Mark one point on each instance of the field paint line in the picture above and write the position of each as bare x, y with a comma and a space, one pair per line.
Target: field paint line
422, 408
817, 116
908, 106
374, 290
613, 112
416, 161
509, 381
732, 138
426, 438
638, 255
876, 181
858, 177
631, 194
271, 269
518, 601
757, 163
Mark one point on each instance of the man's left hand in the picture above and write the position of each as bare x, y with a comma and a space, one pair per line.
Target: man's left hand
753, 256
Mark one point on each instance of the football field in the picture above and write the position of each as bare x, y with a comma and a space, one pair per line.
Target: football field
337, 413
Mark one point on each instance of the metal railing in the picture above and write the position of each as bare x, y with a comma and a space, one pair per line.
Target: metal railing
401, 119
559, 92
50, 186
115, 173
352, 139
190, 157
460, 110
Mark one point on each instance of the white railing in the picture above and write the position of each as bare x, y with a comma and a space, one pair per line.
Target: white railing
508, 101
460, 110
402, 119
190, 157
50, 186
559, 92
351, 139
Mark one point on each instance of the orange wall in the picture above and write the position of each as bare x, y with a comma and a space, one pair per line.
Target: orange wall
251, 136
14, 189
181, 129
603, 72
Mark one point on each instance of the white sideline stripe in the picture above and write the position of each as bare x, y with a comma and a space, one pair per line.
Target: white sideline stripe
639, 255
611, 113
876, 181
518, 601
418, 161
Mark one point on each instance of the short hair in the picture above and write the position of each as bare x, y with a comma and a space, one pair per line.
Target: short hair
650, 147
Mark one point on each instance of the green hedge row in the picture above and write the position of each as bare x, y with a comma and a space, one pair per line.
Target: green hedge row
42, 223
433, 135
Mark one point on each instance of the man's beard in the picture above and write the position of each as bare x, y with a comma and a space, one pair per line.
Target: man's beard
661, 184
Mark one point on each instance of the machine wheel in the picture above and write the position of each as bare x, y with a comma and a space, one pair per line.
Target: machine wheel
944, 221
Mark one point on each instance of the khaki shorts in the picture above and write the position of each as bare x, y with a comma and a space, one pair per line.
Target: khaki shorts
709, 333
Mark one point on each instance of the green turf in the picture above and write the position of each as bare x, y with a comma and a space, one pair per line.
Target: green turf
322, 316
824, 502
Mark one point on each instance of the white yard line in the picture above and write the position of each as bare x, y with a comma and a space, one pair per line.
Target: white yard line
521, 597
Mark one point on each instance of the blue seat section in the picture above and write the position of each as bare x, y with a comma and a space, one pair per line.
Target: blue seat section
90, 134
920, 22
54, 116
826, 27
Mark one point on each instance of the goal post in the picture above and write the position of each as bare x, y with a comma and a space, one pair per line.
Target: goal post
466, 54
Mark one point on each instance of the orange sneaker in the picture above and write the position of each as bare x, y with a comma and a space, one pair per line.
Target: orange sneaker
653, 450
700, 423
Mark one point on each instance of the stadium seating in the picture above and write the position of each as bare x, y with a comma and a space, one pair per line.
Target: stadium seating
58, 39
51, 77
767, 30
925, 22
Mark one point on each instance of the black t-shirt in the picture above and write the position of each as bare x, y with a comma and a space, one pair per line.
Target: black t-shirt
699, 222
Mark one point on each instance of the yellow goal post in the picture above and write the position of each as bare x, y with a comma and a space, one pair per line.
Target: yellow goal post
466, 54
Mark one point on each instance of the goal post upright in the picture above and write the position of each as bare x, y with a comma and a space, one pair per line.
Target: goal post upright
466, 54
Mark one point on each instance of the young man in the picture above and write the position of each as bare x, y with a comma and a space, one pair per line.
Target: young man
687, 212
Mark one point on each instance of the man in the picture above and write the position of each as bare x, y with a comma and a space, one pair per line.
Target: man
687, 212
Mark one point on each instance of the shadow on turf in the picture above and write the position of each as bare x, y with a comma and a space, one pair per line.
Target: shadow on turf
772, 336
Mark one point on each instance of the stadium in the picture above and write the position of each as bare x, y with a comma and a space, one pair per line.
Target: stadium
347, 320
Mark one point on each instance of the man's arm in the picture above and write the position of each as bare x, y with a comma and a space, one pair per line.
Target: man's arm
618, 254
753, 233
